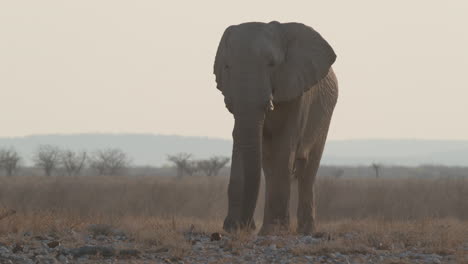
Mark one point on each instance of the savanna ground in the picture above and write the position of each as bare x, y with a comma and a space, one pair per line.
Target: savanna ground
166, 220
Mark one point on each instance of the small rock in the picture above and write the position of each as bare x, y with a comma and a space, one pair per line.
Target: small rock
40, 252
53, 244
194, 241
121, 237
272, 247
4, 250
339, 255
62, 258
17, 248
63, 251
197, 246
215, 236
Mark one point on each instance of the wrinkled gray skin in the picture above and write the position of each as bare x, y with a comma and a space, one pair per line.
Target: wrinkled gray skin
278, 83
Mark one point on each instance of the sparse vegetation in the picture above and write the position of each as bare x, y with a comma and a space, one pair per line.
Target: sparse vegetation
186, 166
396, 211
110, 161
183, 163
213, 165
358, 215
376, 167
73, 162
47, 158
9, 160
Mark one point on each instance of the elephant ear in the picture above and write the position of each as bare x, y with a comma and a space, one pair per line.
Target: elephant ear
308, 58
220, 61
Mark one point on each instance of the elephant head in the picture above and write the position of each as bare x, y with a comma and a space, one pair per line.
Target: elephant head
256, 66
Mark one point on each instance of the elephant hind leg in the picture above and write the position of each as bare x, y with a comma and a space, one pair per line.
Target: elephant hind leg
306, 174
306, 219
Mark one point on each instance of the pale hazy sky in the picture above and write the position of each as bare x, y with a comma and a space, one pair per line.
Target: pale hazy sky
146, 66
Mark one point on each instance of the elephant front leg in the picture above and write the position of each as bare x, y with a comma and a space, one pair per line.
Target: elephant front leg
235, 194
277, 194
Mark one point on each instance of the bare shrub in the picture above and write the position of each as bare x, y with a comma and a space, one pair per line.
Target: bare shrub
376, 167
73, 162
9, 161
47, 158
110, 161
183, 163
212, 166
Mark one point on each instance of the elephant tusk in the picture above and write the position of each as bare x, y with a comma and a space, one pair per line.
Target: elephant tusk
271, 106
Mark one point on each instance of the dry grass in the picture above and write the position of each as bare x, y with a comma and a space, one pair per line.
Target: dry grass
360, 215
431, 236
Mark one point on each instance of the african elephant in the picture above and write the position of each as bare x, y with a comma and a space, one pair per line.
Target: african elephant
278, 83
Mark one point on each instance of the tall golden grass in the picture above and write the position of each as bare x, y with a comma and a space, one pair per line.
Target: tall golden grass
205, 198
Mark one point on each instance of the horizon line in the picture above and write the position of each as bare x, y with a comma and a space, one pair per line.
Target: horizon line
214, 138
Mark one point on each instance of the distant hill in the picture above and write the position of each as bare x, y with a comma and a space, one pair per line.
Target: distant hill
147, 149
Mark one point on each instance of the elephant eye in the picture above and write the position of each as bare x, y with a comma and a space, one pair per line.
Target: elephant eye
271, 63
226, 67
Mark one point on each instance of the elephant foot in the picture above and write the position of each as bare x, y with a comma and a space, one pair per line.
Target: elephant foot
274, 229
232, 226
307, 229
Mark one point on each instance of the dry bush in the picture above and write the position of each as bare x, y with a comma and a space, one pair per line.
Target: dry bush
9, 161
47, 158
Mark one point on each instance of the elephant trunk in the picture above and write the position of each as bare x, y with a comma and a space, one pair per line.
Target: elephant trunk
248, 143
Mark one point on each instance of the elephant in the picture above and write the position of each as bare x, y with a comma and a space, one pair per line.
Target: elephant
278, 83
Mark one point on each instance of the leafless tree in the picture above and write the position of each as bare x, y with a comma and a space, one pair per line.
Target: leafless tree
192, 168
109, 161
47, 157
73, 162
377, 167
9, 160
183, 163
212, 166
338, 173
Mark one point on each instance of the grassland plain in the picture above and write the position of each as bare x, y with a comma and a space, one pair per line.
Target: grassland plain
165, 220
